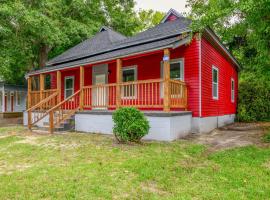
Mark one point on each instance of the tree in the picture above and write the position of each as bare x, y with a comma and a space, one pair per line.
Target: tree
149, 18
244, 26
31, 32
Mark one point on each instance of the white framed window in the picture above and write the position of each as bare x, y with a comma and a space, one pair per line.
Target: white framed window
129, 74
177, 69
18, 98
215, 83
69, 86
232, 90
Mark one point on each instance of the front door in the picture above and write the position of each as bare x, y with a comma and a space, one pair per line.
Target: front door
99, 92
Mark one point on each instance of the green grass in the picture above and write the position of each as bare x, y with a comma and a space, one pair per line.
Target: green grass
81, 166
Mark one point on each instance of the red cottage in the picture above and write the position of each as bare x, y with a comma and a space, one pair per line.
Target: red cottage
184, 82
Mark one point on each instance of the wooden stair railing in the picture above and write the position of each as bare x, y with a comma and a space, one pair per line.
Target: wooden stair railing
39, 111
64, 110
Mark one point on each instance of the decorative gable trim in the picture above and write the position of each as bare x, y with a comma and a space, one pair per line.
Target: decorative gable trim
171, 16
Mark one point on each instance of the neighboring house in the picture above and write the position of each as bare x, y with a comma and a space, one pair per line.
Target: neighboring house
183, 81
12, 99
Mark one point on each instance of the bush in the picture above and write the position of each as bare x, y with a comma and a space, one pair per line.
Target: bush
130, 125
254, 100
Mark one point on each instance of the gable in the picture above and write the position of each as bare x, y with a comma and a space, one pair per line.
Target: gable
171, 16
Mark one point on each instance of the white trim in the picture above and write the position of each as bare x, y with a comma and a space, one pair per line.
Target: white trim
222, 46
232, 90
68, 77
200, 78
135, 68
171, 11
18, 95
215, 68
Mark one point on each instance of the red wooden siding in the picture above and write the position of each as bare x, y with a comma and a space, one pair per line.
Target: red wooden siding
222, 106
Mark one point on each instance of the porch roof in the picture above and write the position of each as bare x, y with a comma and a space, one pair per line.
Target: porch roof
170, 42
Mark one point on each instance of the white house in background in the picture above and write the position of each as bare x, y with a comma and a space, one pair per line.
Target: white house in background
12, 98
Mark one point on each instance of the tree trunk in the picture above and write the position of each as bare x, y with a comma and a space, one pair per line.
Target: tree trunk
43, 55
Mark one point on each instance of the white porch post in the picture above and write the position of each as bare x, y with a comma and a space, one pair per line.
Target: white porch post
3, 100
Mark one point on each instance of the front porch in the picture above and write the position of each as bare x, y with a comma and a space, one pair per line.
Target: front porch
72, 91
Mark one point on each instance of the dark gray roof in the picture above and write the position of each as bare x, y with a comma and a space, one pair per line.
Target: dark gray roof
109, 40
105, 38
169, 42
108, 44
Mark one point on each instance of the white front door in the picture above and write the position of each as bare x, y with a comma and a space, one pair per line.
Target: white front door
100, 78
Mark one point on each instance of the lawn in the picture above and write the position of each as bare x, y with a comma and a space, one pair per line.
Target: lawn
88, 166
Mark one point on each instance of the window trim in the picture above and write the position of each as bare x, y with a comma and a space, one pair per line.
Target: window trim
73, 79
215, 68
175, 61
232, 90
17, 102
135, 68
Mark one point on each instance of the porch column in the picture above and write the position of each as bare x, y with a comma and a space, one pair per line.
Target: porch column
41, 84
81, 87
166, 72
59, 85
3, 100
29, 84
118, 82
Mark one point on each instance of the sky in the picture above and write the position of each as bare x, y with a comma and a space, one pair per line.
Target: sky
162, 5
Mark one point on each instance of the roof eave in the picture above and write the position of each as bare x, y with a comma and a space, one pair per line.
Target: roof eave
217, 40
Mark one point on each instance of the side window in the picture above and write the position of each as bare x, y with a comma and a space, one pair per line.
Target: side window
129, 74
215, 83
69, 86
177, 70
232, 90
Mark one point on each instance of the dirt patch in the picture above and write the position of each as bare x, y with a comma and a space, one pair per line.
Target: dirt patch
235, 135
153, 188
9, 169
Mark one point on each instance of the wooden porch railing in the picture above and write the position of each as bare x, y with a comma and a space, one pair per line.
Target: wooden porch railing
64, 110
39, 111
36, 96
141, 94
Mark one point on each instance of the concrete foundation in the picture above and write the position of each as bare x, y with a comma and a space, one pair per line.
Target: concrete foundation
164, 126
207, 124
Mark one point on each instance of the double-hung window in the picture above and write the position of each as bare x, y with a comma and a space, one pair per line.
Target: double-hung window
232, 90
177, 70
69, 86
215, 83
129, 75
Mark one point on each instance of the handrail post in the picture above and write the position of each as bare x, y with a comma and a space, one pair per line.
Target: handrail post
167, 90
118, 82
41, 88
81, 88
186, 98
51, 122
29, 84
59, 85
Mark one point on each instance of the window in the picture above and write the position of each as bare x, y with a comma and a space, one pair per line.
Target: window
129, 74
177, 70
232, 90
18, 98
48, 81
69, 86
214, 82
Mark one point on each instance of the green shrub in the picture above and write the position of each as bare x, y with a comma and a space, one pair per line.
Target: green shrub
130, 125
254, 100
